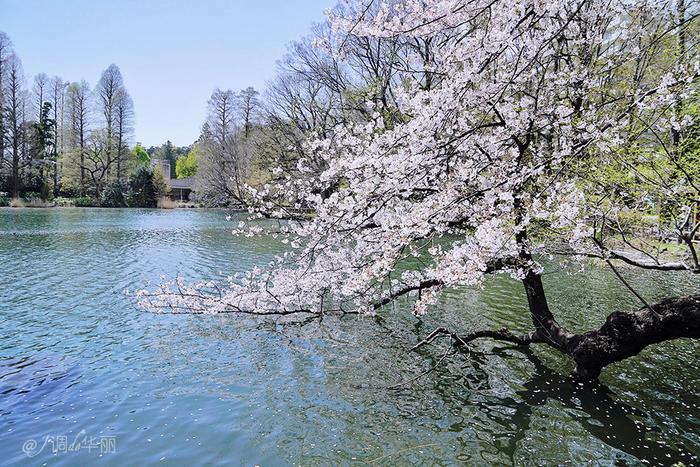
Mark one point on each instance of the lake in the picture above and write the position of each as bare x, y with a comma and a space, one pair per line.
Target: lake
85, 376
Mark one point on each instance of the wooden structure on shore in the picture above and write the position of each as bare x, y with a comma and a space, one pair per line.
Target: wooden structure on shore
179, 188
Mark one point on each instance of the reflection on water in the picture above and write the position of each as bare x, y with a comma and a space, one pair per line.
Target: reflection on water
77, 359
25, 381
595, 407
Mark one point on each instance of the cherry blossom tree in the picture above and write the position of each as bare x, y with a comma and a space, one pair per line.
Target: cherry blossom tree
493, 166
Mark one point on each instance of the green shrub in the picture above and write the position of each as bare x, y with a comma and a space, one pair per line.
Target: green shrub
85, 202
31, 195
113, 195
64, 201
4, 201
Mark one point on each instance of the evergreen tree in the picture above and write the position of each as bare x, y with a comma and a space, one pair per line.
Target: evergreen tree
142, 191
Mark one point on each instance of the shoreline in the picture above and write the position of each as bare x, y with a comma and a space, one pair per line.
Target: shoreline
178, 208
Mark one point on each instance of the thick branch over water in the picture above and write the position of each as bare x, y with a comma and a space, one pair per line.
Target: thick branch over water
623, 335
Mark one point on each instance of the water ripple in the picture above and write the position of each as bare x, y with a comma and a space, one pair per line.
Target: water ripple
77, 359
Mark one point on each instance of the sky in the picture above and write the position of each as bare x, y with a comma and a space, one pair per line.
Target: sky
172, 53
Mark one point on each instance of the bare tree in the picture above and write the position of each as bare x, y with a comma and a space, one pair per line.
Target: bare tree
107, 92
219, 178
306, 97
5, 51
123, 125
249, 108
97, 159
40, 89
16, 102
77, 102
57, 89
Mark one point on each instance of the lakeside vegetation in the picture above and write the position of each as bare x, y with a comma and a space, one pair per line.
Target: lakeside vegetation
494, 203
384, 139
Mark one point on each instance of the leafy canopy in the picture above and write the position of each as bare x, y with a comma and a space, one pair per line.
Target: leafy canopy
186, 166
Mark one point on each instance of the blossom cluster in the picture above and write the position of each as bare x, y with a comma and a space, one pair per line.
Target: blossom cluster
479, 162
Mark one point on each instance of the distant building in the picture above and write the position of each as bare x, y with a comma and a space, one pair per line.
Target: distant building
180, 188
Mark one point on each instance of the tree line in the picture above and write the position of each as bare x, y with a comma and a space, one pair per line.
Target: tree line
257, 138
61, 138
68, 139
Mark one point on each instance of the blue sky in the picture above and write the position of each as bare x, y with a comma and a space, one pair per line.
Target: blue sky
172, 53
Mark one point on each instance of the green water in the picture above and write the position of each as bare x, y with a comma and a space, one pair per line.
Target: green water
77, 360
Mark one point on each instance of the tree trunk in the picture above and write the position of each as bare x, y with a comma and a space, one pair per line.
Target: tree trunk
15, 168
623, 335
119, 153
55, 176
82, 164
547, 329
